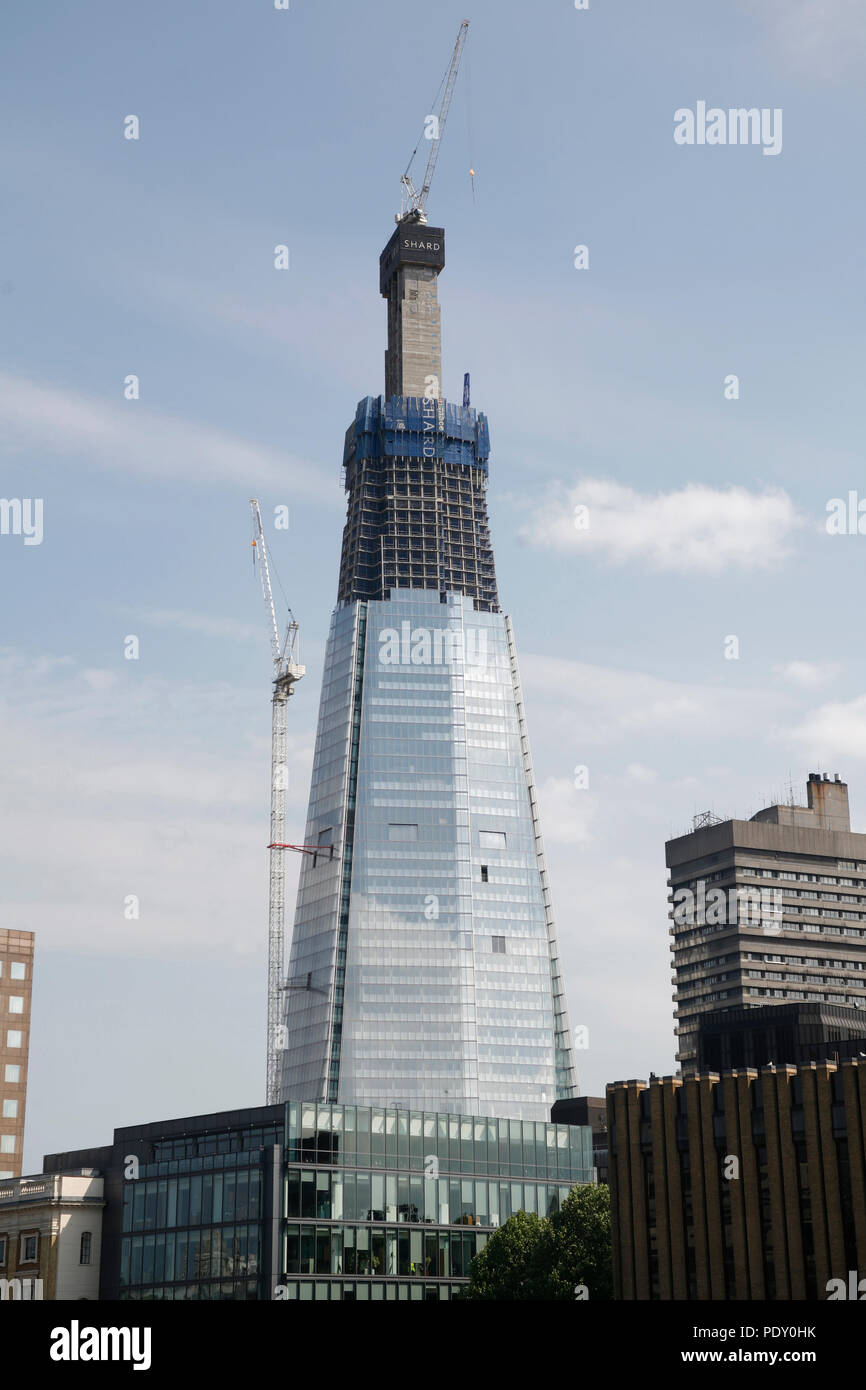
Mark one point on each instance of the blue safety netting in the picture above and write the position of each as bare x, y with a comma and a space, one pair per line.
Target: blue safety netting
407, 426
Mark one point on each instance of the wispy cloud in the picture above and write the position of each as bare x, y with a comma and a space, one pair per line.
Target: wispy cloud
204, 624
126, 436
833, 731
697, 529
808, 674
822, 39
155, 794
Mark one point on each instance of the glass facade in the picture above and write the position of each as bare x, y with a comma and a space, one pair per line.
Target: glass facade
384, 1204
192, 1219
428, 939
365, 1202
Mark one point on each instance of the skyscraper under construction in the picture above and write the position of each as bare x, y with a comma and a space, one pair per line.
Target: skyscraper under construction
424, 968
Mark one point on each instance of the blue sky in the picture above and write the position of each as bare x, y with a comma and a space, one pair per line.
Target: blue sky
604, 387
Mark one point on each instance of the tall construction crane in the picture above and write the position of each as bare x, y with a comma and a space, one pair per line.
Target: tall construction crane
413, 203
286, 671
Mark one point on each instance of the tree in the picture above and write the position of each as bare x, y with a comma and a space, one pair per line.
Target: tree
538, 1258
575, 1247
503, 1269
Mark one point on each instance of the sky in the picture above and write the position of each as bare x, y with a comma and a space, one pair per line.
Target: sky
695, 646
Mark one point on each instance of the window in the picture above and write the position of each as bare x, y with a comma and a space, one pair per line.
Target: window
2, 1250
13, 1073
10, 1110
18, 970
484, 878
16, 1004
84, 1250
29, 1249
7, 1143
499, 945
326, 837
491, 839
402, 832
13, 1037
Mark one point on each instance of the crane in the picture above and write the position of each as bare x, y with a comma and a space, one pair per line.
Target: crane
413, 203
287, 671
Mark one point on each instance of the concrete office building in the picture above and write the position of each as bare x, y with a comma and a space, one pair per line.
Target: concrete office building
769, 910
424, 966
16, 985
314, 1201
749, 1185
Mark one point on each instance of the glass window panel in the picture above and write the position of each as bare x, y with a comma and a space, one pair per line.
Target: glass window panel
364, 1204
308, 1194
229, 1196
195, 1200
293, 1193
323, 1195
242, 1211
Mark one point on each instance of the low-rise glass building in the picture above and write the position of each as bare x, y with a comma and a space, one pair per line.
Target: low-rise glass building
314, 1201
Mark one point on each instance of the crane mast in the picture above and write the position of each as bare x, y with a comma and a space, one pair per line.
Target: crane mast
287, 671
413, 203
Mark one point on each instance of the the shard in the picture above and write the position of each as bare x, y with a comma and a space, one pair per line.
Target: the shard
424, 966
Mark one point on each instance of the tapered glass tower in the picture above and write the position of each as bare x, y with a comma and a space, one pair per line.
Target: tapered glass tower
424, 966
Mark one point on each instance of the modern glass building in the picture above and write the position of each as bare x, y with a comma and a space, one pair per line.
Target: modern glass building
313, 1201
424, 966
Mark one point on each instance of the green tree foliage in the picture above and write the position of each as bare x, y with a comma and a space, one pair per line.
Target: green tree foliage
539, 1258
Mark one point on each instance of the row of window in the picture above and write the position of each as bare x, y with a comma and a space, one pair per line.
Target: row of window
329, 1195
29, 1248
17, 970
213, 1252
381, 1251
190, 1201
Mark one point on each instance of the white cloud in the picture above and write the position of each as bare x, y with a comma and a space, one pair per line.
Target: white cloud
698, 529
204, 624
606, 703
638, 773
833, 731
124, 436
808, 673
566, 812
817, 38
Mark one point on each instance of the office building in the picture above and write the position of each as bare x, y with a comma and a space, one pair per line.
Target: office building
769, 910
780, 1034
748, 1185
424, 967
16, 985
314, 1201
